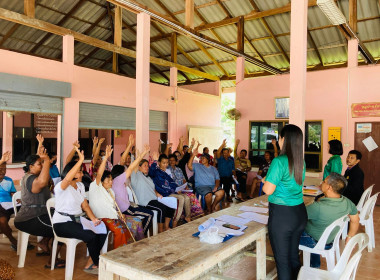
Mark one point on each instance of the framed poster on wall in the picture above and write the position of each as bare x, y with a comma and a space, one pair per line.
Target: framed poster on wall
281, 107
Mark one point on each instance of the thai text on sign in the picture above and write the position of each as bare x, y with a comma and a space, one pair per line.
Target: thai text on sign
362, 110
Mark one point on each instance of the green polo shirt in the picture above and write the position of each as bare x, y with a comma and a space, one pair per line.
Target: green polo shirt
287, 191
334, 164
324, 212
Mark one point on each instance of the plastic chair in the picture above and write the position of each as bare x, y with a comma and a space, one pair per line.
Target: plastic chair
366, 219
345, 269
320, 247
22, 237
133, 198
202, 200
366, 194
71, 244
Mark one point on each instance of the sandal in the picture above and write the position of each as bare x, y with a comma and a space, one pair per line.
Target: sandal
91, 270
58, 264
239, 199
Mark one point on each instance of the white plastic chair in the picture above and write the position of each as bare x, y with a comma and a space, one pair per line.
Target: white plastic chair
366, 219
22, 237
345, 269
71, 244
320, 247
133, 198
366, 194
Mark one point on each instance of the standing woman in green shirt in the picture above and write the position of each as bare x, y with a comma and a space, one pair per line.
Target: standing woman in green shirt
334, 164
287, 212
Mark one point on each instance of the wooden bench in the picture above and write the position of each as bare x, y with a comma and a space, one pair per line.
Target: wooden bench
176, 254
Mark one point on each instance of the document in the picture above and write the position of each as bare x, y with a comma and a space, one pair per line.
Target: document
370, 144
254, 209
262, 219
89, 225
209, 223
8, 205
233, 220
181, 188
169, 202
265, 203
187, 191
223, 229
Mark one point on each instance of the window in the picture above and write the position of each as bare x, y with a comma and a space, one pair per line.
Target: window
25, 128
263, 132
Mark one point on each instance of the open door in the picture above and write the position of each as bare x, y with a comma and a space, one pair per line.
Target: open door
370, 163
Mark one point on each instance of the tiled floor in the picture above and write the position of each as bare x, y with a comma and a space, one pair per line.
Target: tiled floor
369, 267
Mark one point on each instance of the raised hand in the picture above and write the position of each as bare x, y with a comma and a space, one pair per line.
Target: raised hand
155, 156
101, 140
76, 144
237, 142
40, 139
131, 140
80, 153
146, 148
5, 157
95, 140
43, 153
274, 141
224, 144
192, 142
108, 151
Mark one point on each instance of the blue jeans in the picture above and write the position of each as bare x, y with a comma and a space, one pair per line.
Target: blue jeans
308, 241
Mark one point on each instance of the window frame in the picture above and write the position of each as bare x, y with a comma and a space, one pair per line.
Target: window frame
284, 122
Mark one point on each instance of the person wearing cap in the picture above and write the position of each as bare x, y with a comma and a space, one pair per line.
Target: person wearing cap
207, 181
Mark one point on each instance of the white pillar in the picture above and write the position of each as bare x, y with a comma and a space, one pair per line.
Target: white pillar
142, 80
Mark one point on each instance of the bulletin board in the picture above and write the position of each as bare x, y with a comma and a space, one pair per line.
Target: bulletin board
211, 137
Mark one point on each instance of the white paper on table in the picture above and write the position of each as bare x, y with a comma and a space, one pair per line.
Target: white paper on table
8, 205
254, 209
312, 187
210, 222
169, 202
224, 231
181, 188
233, 220
89, 225
370, 144
262, 219
56, 180
265, 203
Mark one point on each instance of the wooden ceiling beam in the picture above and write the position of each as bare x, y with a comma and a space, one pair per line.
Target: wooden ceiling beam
118, 36
353, 15
61, 22
58, 30
30, 8
312, 42
189, 16
174, 48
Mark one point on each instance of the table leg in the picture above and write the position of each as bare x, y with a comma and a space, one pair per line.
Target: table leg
261, 265
103, 273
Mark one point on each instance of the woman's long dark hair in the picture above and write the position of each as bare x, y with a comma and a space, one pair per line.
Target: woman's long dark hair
293, 149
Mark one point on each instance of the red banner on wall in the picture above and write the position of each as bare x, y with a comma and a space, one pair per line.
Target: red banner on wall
362, 110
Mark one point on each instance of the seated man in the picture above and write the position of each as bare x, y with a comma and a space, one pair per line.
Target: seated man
327, 210
243, 166
355, 177
206, 152
207, 181
226, 168
7, 189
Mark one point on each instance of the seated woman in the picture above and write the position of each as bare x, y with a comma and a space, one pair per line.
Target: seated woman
102, 203
166, 186
35, 191
70, 202
144, 189
177, 175
120, 184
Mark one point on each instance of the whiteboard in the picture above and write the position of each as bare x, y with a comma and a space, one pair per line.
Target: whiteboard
211, 137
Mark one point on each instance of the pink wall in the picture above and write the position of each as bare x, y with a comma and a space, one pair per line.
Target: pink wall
209, 87
106, 88
329, 95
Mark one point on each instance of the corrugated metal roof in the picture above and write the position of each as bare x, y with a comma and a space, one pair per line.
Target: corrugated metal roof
331, 44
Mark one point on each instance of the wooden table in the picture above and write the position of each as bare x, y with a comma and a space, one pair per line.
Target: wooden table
176, 254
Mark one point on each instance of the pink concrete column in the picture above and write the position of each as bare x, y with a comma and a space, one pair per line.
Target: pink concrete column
142, 80
7, 133
173, 76
70, 125
239, 69
68, 49
298, 62
59, 141
353, 48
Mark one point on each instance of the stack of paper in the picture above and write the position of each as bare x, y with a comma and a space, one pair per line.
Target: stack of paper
89, 225
254, 209
233, 220
262, 219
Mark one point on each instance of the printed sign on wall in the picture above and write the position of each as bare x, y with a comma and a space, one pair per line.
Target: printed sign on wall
362, 110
